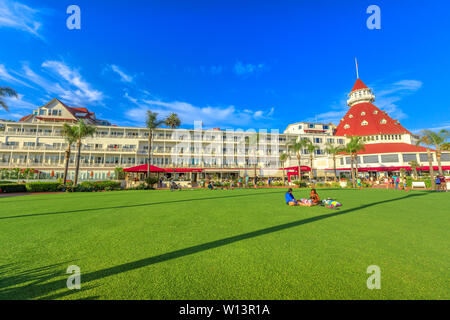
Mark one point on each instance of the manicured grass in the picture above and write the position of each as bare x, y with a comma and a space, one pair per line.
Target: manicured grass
241, 244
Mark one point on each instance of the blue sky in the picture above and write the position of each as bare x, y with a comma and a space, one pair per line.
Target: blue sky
231, 64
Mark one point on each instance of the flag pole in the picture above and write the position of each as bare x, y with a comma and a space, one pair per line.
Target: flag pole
357, 71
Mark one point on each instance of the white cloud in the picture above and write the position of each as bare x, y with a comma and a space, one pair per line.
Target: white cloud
387, 98
18, 16
123, 76
225, 117
245, 69
6, 76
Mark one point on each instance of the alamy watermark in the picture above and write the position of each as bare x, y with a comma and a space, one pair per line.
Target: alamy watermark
374, 21
74, 281
73, 22
374, 280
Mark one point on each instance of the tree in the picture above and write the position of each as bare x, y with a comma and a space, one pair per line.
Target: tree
445, 146
82, 131
334, 151
253, 141
297, 147
283, 158
437, 139
352, 148
311, 150
6, 91
152, 123
69, 135
172, 121
425, 140
414, 165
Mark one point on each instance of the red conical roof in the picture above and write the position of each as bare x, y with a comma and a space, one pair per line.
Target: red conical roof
365, 119
359, 85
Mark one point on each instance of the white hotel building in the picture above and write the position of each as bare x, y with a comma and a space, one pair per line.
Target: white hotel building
35, 141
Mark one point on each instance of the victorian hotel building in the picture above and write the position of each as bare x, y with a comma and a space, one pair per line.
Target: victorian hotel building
35, 142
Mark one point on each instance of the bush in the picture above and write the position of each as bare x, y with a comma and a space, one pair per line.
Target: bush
12, 188
90, 186
300, 184
44, 187
6, 182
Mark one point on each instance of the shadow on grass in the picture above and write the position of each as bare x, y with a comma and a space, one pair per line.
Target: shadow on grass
38, 289
137, 205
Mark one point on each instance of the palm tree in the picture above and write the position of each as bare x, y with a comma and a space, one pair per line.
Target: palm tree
311, 150
254, 142
437, 140
297, 147
283, 158
414, 165
81, 130
352, 148
445, 146
172, 121
333, 150
425, 140
152, 123
69, 135
6, 91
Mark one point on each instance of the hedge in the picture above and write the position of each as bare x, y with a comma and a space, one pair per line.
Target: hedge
43, 187
12, 188
89, 186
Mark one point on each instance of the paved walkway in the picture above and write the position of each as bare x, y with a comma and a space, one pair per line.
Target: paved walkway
10, 195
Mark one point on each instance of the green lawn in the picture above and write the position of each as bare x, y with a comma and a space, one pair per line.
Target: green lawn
241, 244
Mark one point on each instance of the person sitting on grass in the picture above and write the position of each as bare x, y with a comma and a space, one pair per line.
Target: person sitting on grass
290, 200
315, 200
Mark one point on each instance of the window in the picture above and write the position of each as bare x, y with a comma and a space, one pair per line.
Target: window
299, 127
424, 157
409, 157
42, 112
311, 126
341, 141
388, 158
363, 113
383, 121
350, 116
445, 157
329, 140
317, 140
364, 123
370, 159
375, 112
326, 127
346, 126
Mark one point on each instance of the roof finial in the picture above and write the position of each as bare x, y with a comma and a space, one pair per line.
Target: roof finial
357, 71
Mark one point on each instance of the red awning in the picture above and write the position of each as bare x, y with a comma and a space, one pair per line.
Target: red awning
303, 168
143, 168
383, 169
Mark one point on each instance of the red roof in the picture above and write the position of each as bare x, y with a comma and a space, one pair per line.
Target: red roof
365, 119
359, 85
25, 118
377, 148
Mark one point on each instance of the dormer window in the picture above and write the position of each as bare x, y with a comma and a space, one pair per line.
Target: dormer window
363, 113
346, 126
350, 116
375, 112
383, 121
364, 123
